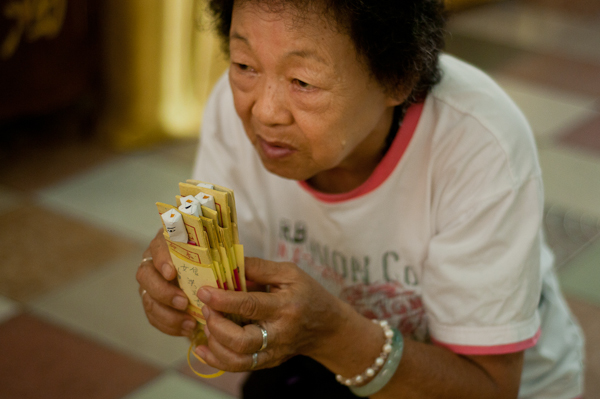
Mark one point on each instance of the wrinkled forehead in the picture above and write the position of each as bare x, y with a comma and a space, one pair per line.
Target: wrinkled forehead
298, 13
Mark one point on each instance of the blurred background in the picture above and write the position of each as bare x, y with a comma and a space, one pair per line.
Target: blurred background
100, 106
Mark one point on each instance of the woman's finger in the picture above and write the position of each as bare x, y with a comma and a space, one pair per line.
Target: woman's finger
221, 357
158, 288
247, 339
166, 319
161, 257
251, 305
265, 272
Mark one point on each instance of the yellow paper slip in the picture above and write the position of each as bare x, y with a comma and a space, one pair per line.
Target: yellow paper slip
195, 269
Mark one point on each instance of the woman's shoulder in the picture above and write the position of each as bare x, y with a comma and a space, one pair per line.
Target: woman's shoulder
469, 112
471, 91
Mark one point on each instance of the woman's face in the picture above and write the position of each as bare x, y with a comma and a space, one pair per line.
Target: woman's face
306, 101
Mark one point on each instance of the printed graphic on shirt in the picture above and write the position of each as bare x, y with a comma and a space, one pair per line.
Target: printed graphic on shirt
378, 287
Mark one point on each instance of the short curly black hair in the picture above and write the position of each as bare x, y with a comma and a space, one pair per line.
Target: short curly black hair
399, 40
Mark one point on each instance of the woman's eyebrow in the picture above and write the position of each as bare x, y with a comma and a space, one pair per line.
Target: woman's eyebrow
307, 54
235, 35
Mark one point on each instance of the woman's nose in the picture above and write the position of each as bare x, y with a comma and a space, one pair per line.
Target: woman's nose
270, 107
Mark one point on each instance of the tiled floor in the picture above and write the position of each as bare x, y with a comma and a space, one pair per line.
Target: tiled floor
50, 361
76, 217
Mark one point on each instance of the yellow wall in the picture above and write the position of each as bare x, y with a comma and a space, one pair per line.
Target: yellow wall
159, 68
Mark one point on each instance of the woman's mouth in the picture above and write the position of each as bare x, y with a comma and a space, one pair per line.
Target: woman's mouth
275, 150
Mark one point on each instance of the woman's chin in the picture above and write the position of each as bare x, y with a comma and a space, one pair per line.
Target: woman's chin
287, 170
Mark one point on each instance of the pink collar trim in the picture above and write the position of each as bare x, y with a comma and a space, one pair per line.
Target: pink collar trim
385, 167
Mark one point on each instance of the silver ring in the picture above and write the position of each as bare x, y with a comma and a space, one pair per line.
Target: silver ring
148, 259
264, 337
254, 360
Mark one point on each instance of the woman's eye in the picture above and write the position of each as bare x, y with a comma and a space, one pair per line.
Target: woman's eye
243, 67
302, 84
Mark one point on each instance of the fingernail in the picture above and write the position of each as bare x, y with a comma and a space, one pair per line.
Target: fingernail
203, 295
205, 311
167, 271
180, 302
188, 325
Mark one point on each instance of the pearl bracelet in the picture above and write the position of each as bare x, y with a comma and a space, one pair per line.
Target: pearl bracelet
386, 373
379, 362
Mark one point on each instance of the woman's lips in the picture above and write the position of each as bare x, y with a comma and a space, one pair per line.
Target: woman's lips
275, 150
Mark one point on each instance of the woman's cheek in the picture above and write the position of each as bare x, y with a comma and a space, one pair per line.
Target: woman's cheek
243, 111
316, 103
240, 82
242, 97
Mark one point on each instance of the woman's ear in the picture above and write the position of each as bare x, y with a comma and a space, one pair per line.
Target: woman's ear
392, 101
401, 94
398, 97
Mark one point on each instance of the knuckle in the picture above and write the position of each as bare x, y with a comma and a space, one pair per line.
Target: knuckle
239, 364
289, 270
148, 304
156, 324
292, 315
249, 306
157, 242
240, 344
268, 359
139, 274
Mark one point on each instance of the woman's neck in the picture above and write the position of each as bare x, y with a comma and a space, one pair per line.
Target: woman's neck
358, 167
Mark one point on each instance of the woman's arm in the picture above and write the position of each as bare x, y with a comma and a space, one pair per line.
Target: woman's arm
428, 371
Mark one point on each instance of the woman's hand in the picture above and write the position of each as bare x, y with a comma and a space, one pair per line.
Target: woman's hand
299, 315
164, 302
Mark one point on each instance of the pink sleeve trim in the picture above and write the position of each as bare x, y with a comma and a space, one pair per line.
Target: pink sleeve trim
385, 167
491, 350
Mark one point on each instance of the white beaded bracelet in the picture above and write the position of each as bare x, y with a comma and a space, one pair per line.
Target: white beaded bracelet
371, 371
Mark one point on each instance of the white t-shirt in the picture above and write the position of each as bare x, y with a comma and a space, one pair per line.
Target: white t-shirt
444, 239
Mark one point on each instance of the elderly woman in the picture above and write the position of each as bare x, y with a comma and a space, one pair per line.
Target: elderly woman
374, 179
